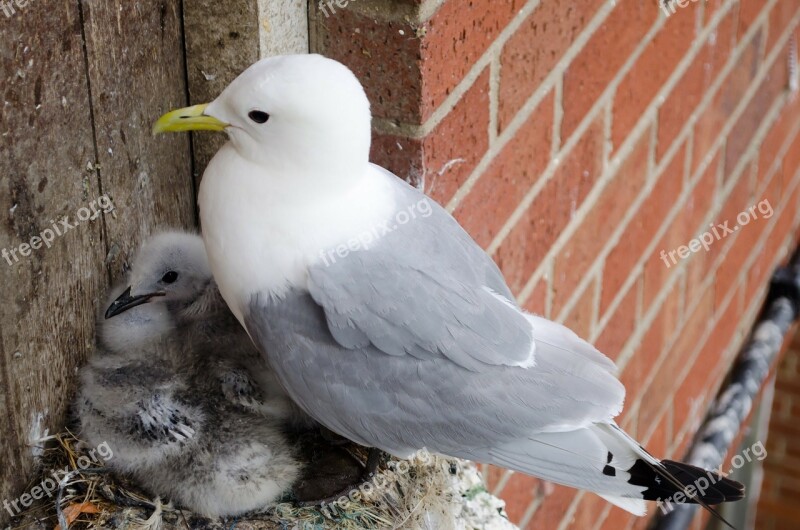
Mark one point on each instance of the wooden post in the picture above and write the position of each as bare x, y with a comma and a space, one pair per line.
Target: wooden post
224, 38
82, 84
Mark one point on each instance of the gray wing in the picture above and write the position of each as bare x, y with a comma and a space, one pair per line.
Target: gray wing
424, 289
400, 403
450, 238
405, 345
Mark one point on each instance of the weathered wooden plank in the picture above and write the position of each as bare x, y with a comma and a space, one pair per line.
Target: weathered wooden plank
224, 38
136, 72
48, 297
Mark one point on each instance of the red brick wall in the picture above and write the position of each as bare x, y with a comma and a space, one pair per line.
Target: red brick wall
777, 507
575, 140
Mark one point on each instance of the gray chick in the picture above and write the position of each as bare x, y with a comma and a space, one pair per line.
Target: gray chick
177, 390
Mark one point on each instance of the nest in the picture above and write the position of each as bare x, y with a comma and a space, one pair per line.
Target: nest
426, 491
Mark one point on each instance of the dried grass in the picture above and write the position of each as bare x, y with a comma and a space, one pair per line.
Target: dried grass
406, 494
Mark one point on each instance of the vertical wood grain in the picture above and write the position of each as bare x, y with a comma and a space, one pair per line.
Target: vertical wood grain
83, 81
136, 73
48, 297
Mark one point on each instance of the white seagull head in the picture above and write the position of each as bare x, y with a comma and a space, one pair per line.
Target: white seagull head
171, 270
293, 115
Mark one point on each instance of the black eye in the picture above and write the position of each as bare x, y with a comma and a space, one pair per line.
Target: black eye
258, 116
170, 277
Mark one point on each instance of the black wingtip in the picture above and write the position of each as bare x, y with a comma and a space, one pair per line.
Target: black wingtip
719, 489
691, 484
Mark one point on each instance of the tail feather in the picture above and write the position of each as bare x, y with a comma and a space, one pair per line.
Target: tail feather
696, 485
603, 459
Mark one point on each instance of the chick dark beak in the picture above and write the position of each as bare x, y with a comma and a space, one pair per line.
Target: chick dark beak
125, 301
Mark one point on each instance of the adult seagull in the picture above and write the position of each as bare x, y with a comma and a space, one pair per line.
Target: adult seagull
379, 314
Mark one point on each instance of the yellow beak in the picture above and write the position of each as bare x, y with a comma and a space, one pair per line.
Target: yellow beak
188, 119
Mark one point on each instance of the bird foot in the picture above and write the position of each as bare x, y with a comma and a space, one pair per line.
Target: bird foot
324, 482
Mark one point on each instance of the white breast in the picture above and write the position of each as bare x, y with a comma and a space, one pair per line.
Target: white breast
262, 241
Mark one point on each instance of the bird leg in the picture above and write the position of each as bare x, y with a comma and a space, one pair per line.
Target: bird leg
333, 438
374, 459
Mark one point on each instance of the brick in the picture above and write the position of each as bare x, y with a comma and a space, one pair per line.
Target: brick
783, 11
585, 515
400, 155
589, 74
536, 47
514, 171
650, 71
701, 200
738, 200
748, 12
455, 38
524, 248
582, 316
698, 272
658, 441
537, 301
620, 326
529, 241
584, 246
667, 378
693, 85
659, 266
730, 95
730, 269
384, 55
448, 162
492, 477
617, 519
409, 70
633, 378
791, 161
741, 135
519, 493
553, 507
775, 139
785, 221
704, 379
692, 397
660, 332
711, 7
643, 228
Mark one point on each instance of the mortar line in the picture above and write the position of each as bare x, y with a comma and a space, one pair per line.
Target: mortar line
688, 190
637, 130
667, 158
494, 99
531, 104
532, 509
607, 96
707, 284
628, 350
731, 349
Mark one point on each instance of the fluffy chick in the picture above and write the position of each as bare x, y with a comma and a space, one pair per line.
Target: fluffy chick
179, 392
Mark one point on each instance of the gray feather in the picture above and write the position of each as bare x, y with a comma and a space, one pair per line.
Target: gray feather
418, 293
402, 403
